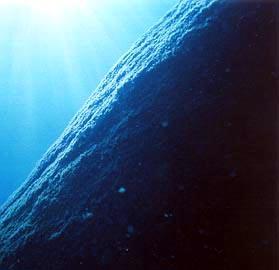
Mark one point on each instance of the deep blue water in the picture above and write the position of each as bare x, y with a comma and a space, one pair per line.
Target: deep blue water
52, 56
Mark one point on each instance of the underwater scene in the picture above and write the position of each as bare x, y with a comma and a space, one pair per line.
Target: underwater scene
139, 134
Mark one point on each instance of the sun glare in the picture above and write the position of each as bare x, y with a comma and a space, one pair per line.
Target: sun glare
55, 8
50, 10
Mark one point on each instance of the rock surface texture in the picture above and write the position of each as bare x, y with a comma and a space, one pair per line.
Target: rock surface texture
171, 164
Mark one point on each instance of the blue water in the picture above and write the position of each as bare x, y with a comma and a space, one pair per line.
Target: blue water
52, 56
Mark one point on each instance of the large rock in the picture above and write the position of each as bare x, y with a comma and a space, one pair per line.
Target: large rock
171, 164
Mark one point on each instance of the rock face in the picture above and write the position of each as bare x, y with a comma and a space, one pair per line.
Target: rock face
171, 164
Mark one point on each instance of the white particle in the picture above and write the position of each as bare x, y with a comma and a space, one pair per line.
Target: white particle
165, 124
122, 190
168, 215
87, 215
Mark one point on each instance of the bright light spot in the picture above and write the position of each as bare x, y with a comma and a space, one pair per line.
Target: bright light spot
50, 10
56, 9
